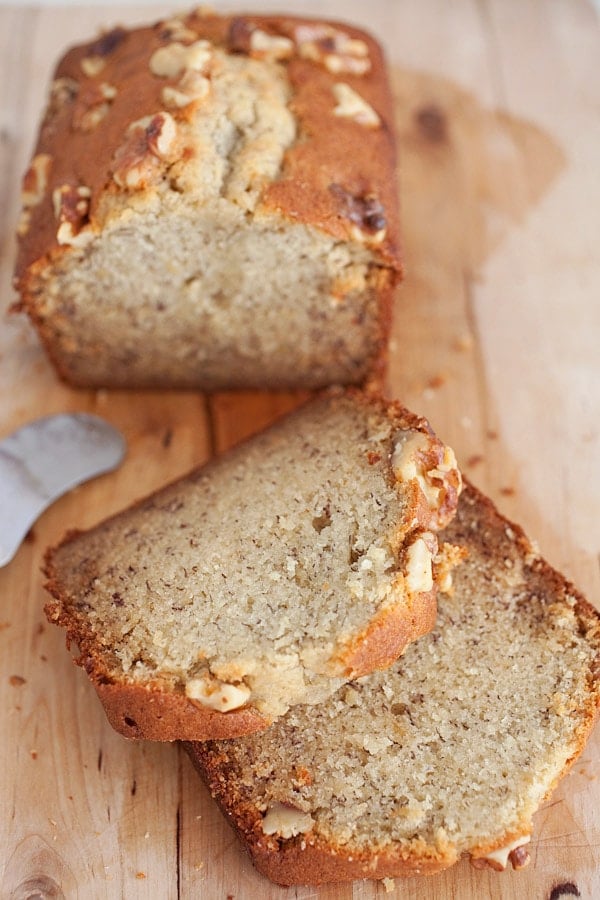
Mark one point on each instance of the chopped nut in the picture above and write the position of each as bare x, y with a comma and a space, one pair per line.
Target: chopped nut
270, 46
70, 203
217, 694
24, 222
365, 212
333, 48
108, 91
93, 103
161, 134
192, 87
419, 563
63, 91
351, 105
433, 466
448, 557
66, 234
177, 30
498, 859
92, 65
176, 58
35, 180
287, 821
519, 857
94, 62
148, 142
71, 206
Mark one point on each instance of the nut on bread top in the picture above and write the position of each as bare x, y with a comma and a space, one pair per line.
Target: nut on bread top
122, 120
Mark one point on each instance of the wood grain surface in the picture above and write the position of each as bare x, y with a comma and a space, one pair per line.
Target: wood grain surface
496, 339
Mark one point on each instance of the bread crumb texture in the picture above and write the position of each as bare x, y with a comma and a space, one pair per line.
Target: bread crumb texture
211, 204
259, 578
450, 751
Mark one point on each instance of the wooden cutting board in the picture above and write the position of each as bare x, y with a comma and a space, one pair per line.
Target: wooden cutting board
496, 339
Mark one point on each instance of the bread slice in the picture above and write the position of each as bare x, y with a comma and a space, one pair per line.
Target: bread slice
302, 559
212, 204
448, 753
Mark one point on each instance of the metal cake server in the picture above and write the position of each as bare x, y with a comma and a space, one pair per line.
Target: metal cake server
43, 460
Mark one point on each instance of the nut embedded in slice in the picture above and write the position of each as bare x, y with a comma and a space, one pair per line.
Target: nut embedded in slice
446, 754
260, 186
262, 581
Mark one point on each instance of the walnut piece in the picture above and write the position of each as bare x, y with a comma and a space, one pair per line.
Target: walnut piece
364, 211
148, 144
191, 88
174, 59
215, 694
62, 91
35, 180
333, 48
286, 821
92, 65
270, 46
98, 50
417, 457
351, 105
419, 563
71, 207
93, 103
498, 859
176, 30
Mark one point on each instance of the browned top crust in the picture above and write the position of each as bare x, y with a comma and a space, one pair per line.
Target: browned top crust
101, 87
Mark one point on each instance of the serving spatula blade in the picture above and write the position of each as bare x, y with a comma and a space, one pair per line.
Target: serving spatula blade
45, 459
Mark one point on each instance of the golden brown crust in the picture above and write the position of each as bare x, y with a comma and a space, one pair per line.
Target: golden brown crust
388, 635
318, 161
309, 858
338, 176
148, 712
160, 710
304, 859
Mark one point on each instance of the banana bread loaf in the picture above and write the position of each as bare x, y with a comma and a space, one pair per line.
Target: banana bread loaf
448, 753
212, 204
303, 558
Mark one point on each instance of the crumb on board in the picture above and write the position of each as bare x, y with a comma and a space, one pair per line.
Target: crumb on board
389, 884
17, 680
436, 381
474, 460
